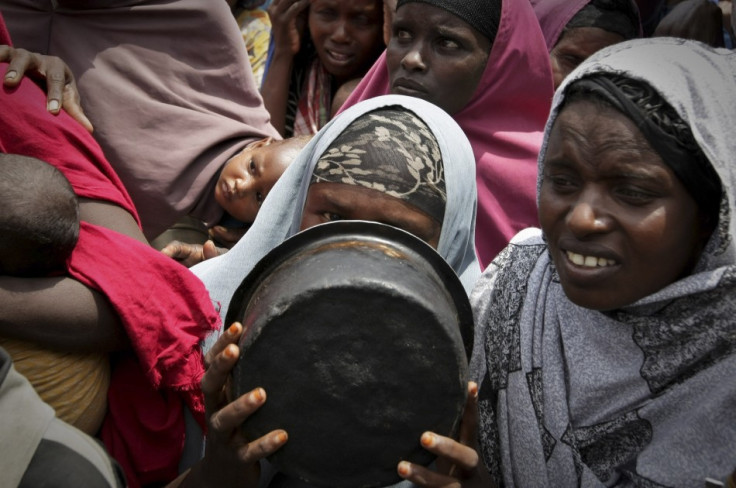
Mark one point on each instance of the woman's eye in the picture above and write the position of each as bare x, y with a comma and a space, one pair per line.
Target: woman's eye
362, 20
333, 216
326, 14
402, 35
252, 166
449, 43
560, 182
634, 195
259, 197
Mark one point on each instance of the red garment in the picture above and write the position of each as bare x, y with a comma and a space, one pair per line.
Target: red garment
504, 121
165, 309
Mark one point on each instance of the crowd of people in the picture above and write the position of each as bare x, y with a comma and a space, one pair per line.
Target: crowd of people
571, 160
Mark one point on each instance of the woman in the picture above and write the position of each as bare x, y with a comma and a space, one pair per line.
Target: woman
292, 204
169, 107
612, 360
491, 72
109, 317
362, 166
576, 29
317, 47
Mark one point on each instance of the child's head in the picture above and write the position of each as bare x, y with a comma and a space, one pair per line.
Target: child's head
247, 177
39, 224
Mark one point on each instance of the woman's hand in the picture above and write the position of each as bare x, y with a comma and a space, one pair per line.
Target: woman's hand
191, 254
230, 459
288, 21
227, 236
61, 88
457, 460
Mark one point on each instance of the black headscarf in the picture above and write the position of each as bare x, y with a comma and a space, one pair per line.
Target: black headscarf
618, 16
483, 15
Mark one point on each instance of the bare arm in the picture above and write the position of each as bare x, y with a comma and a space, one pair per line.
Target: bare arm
286, 27
60, 312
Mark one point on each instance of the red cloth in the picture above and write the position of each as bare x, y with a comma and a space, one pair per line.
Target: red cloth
164, 308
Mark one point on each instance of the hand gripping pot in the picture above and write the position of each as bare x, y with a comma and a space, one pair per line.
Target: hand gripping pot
360, 334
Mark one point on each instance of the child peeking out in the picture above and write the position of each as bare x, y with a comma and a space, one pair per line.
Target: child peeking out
244, 182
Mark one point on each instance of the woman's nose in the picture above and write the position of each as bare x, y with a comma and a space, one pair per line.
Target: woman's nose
588, 216
413, 61
340, 34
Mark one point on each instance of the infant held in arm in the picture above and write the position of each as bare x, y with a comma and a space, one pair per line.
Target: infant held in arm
243, 184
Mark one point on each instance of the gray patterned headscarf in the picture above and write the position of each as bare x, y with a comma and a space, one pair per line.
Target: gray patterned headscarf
392, 151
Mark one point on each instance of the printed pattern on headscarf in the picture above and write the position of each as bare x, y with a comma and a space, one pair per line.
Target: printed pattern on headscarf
575, 397
369, 153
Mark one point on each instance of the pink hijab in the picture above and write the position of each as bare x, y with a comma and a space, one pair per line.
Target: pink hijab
554, 15
504, 122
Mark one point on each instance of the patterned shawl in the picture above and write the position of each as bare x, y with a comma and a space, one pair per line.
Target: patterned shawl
392, 151
640, 396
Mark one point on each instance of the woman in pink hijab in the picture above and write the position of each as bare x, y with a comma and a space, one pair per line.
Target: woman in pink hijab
486, 63
575, 29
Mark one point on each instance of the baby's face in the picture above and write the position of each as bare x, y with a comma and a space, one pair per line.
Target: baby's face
247, 177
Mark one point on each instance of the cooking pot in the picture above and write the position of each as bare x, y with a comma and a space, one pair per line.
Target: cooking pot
360, 334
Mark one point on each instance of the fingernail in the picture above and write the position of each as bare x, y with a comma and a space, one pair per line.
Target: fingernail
258, 395
234, 329
404, 469
428, 439
231, 351
10, 75
53, 105
473, 389
281, 437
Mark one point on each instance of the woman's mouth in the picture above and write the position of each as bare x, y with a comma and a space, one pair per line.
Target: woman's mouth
589, 261
339, 58
404, 86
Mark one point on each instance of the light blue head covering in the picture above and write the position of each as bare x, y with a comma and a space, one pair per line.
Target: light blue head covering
281, 213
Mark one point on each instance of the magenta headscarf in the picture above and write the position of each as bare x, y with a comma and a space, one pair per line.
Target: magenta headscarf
504, 122
554, 15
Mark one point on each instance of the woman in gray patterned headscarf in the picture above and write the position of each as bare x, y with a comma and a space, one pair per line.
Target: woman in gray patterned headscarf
393, 159
605, 344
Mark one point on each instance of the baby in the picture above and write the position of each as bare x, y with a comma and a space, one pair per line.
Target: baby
244, 182
39, 229
39, 224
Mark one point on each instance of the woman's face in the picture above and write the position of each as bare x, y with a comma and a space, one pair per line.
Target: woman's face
575, 46
619, 223
338, 201
435, 56
348, 35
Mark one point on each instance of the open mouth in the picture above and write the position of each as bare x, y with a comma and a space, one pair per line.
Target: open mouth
589, 261
339, 58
